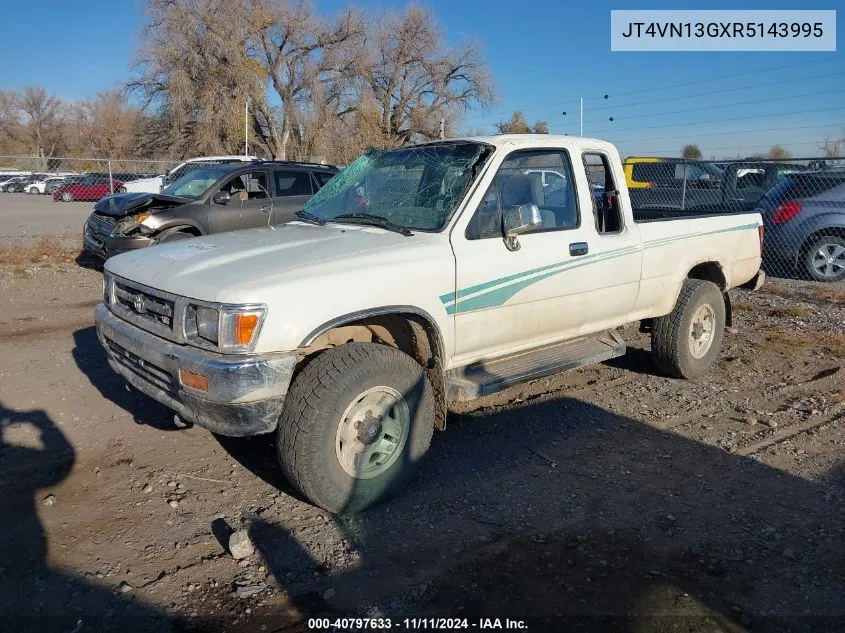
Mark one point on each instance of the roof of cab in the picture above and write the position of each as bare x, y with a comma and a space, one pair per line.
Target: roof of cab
516, 141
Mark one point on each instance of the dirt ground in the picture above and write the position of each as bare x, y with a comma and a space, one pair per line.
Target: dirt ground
606, 499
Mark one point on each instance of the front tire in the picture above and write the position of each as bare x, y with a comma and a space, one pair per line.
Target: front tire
824, 258
67, 196
686, 342
355, 423
33, 191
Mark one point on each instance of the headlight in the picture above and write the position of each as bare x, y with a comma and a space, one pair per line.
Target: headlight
127, 225
230, 328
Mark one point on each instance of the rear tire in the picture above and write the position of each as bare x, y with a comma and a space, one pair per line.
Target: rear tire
686, 342
824, 258
356, 421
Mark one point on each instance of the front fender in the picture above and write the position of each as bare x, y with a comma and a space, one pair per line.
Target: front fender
160, 222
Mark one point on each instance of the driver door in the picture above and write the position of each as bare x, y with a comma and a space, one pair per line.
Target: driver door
248, 206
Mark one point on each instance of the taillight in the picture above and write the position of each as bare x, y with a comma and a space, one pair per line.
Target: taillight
785, 212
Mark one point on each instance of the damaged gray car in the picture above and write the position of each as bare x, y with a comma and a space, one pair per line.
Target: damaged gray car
210, 199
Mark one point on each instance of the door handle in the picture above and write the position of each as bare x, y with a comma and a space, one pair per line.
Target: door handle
579, 248
265, 208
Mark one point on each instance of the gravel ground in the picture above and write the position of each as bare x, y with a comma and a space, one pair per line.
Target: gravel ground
609, 498
605, 499
25, 217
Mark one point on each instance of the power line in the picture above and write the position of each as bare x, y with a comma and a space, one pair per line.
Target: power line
701, 81
731, 132
492, 115
715, 92
724, 105
738, 118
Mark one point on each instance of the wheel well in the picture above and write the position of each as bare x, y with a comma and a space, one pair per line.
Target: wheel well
709, 271
410, 333
182, 228
712, 271
838, 231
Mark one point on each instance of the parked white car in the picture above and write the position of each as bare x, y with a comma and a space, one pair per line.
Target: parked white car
39, 186
419, 277
155, 184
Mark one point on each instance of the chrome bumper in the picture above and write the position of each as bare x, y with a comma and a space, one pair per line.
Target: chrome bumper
245, 393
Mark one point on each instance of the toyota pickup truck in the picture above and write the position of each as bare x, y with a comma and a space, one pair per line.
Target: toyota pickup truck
417, 278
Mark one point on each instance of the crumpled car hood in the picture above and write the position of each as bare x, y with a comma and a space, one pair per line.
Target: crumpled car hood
123, 204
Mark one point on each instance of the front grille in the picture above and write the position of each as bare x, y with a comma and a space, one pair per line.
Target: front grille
151, 373
144, 305
100, 226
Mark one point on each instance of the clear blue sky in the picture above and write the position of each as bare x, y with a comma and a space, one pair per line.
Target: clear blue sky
543, 56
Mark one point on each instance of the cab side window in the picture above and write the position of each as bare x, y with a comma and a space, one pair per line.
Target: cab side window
539, 177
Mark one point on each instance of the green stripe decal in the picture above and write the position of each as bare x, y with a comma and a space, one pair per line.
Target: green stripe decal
499, 291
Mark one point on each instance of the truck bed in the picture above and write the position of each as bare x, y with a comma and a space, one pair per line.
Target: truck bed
651, 214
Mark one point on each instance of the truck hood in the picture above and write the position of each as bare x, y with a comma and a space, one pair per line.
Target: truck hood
122, 204
238, 266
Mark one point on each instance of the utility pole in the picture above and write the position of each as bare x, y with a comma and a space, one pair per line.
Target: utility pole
582, 116
246, 127
442, 128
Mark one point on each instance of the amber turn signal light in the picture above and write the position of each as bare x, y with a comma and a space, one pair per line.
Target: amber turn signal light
194, 381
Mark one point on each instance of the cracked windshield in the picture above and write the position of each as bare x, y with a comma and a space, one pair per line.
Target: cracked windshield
414, 188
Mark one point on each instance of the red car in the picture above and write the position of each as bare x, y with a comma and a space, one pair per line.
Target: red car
87, 188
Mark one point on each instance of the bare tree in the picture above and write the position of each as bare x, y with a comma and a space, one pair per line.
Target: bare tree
777, 152
691, 151
517, 124
42, 120
304, 59
832, 148
414, 80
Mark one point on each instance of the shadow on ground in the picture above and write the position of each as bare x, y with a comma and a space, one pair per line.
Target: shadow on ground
91, 359
573, 518
569, 517
34, 596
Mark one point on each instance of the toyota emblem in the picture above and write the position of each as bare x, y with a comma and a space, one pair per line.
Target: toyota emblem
138, 304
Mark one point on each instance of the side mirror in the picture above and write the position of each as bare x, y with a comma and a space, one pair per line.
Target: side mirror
519, 220
221, 197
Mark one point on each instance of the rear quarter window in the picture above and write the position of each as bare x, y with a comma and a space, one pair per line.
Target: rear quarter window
801, 186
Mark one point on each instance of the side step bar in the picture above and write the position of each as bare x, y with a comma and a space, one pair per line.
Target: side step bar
486, 377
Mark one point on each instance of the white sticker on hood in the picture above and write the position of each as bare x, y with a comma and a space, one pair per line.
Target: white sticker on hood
186, 251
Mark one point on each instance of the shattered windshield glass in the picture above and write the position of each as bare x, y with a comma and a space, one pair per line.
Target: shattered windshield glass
413, 187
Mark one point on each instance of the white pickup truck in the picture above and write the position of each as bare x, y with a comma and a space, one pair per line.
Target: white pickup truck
416, 278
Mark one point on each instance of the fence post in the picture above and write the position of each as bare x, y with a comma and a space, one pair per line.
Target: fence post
111, 180
684, 189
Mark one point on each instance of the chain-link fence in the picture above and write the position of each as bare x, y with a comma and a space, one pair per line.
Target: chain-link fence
91, 179
88, 179
802, 202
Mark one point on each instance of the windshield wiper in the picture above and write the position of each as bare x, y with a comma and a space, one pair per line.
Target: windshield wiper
309, 217
375, 220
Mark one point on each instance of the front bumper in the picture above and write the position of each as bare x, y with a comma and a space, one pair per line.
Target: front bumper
245, 393
105, 247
